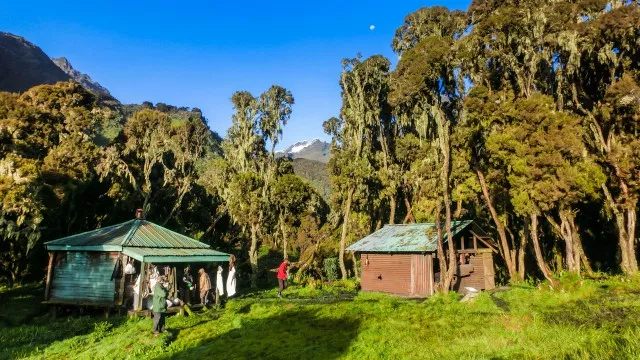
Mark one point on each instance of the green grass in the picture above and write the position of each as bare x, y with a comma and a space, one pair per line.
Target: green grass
578, 320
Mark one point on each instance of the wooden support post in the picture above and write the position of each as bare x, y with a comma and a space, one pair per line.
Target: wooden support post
462, 243
52, 255
143, 283
123, 278
53, 311
174, 282
475, 243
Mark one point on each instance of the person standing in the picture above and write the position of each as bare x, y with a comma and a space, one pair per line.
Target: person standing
160, 293
205, 286
187, 279
219, 286
282, 276
231, 278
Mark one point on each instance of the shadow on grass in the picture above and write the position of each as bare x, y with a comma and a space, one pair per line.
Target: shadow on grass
605, 311
27, 339
300, 334
21, 305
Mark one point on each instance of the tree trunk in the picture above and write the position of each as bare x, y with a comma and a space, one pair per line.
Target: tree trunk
379, 221
504, 249
355, 265
253, 255
442, 261
458, 212
409, 216
447, 209
392, 210
538, 252
565, 232
578, 251
445, 147
631, 235
625, 226
521, 253
569, 246
345, 227
283, 227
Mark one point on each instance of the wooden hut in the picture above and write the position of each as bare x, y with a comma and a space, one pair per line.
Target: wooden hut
402, 259
88, 269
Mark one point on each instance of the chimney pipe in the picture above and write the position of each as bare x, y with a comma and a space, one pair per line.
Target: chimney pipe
139, 214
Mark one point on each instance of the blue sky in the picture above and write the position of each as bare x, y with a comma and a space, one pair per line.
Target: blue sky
197, 53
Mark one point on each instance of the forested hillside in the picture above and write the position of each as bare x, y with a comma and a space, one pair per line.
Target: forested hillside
70, 165
521, 115
316, 173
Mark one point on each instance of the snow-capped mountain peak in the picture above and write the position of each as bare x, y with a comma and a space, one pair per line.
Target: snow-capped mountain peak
297, 147
315, 149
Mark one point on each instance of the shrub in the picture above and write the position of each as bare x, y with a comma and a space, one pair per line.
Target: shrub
331, 268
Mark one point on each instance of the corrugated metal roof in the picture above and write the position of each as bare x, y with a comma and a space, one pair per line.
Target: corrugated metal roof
405, 238
152, 235
165, 255
133, 233
110, 235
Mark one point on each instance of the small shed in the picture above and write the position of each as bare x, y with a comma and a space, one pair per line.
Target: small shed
402, 259
88, 268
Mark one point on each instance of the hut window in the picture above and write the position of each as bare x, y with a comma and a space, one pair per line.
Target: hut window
366, 260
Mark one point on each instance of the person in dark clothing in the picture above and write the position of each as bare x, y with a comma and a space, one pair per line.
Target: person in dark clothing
160, 293
282, 276
189, 285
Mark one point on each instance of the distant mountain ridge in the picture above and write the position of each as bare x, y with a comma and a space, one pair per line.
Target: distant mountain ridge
83, 79
316, 149
24, 65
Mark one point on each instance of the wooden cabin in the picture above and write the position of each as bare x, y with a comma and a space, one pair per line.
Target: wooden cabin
87, 269
402, 259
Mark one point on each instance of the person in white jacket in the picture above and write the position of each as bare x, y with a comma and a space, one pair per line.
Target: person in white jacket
231, 280
219, 286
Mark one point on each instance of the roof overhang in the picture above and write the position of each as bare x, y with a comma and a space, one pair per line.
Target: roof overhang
161, 255
84, 248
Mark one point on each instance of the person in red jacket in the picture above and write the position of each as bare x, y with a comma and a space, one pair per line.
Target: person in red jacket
282, 276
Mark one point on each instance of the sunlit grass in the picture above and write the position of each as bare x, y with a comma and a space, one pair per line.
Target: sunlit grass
578, 320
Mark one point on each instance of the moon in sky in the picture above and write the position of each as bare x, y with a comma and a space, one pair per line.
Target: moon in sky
372, 27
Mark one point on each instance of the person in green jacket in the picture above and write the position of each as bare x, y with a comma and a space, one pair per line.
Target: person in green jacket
160, 293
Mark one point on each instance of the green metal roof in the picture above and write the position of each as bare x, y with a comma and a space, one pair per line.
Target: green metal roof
111, 235
140, 239
175, 255
406, 238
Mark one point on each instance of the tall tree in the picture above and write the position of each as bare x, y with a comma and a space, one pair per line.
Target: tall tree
293, 197
427, 94
243, 179
364, 87
148, 134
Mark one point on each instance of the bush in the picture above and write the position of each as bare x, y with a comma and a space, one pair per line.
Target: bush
331, 268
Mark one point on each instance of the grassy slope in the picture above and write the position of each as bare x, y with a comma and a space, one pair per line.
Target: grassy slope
595, 320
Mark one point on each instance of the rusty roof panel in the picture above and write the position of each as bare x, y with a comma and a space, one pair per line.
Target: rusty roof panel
405, 238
